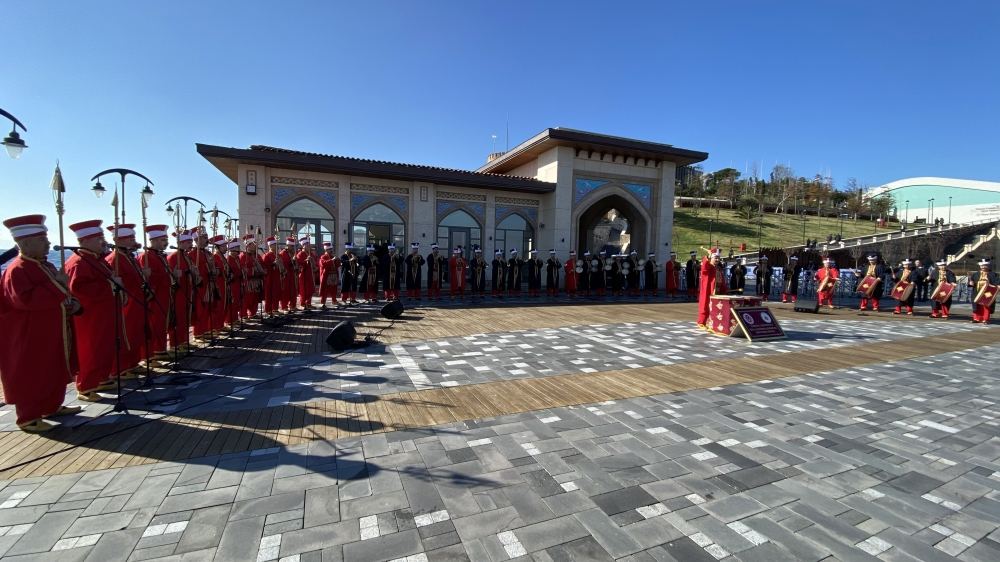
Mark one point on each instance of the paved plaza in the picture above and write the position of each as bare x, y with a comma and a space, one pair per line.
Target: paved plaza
856, 438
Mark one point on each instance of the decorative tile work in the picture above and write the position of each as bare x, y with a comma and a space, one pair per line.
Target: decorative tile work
379, 188
359, 200
328, 197
402, 204
478, 210
529, 213
516, 201
459, 196
642, 192
282, 193
284, 180
443, 207
583, 188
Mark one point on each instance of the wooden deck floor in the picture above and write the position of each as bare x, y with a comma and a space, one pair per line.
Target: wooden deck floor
177, 438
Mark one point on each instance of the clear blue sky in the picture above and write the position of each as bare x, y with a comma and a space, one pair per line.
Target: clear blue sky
873, 90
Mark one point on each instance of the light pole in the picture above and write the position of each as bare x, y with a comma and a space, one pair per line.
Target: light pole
178, 222
13, 142
907, 216
930, 210
949, 209
99, 190
803, 227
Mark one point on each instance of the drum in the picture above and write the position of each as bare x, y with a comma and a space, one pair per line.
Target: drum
902, 290
987, 295
579, 269
943, 292
626, 267
642, 262
868, 285
607, 267
594, 263
826, 284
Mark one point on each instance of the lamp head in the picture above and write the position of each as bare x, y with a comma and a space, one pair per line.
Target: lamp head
98, 189
147, 193
15, 145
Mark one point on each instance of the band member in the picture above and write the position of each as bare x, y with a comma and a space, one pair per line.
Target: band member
879, 272
607, 274
587, 273
436, 266
369, 279
598, 277
738, 276
712, 282
691, 275
124, 264
905, 274
763, 274
632, 277
978, 280
478, 268
616, 277
534, 274
224, 304
456, 274
649, 275
305, 258
253, 272
349, 277
790, 276
184, 295
329, 275
274, 277
499, 273
672, 271
34, 309
394, 268
290, 286
552, 267
237, 281
921, 278
162, 284
571, 274
414, 262
514, 274
206, 292
826, 280
941, 274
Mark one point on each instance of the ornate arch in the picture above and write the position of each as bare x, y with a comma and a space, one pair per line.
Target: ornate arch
529, 214
326, 200
459, 209
332, 211
611, 196
443, 208
362, 201
356, 213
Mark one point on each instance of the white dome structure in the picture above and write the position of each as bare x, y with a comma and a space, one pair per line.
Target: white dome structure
926, 199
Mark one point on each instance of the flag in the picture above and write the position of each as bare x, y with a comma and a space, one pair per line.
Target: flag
57, 181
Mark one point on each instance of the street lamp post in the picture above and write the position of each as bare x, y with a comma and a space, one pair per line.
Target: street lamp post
907, 216
930, 210
803, 227
949, 209
13, 142
99, 189
178, 222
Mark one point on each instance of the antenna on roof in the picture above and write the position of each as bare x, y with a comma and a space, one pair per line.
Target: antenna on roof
494, 144
507, 139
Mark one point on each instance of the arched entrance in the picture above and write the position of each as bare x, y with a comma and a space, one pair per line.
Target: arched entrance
378, 226
613, 224
305, 217
459, 228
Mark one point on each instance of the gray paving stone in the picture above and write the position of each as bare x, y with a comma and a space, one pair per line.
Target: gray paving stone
198, 500
265, 506
320, 537
44, 534
488, 523
100, 524
22, 515
615, 541
623, 500
733, 507
389, 547
241, 539
114, 546
550, 533
205, 529
322, 506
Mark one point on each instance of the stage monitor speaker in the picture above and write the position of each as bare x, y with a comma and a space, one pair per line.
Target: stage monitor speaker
342, 335
807, 305
392, 310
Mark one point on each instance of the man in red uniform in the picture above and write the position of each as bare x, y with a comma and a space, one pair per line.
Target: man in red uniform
124, 264
205, 293
456, 274
237, 281
273, 277
571, 274
978, 281
329, 273
34, 309
673, 275
162, 283
253, 271
826, 281
222, 306
184, 295
306, 261
91, 281
289, 287
712, 281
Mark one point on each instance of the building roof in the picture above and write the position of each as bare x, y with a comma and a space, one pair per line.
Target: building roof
227, 159
583, 140
933, 181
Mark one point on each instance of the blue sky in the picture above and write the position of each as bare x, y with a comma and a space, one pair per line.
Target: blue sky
873, 90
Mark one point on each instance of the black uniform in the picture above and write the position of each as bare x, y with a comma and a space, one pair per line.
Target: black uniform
616, 277
514, 274
912, 278
632, 277
649, 281
393, 276
583, 279
934, 279
413, 264
763, 274
597, 278
478, 267
437, 266
691, 271
991, 277
369, 279
880, 272
349, 273
535, 274
922, 279
552, 267
499, 274
791, 279
738, 278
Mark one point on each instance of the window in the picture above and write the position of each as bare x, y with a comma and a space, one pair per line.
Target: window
459, 228
378, 225
305, 217
515, 232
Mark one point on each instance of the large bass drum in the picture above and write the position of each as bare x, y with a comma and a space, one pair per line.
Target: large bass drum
579, 269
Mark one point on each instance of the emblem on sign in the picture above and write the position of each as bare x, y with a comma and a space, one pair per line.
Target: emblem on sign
864, 286
748, 319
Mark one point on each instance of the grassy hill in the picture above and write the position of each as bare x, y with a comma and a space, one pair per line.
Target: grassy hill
694, 227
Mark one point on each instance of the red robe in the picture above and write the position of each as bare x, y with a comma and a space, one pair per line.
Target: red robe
289, 286
307, 277
205, 293
161, 282
570, 267
179, 333
673, 277
134, 312
94, 327
252, 271
712, 282
237, 289
34, 349
329, 274
220, 314
272, 282
826, 296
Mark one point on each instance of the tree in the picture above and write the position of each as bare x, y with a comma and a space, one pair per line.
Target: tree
725, 183
748, 208
784, 184
880, 205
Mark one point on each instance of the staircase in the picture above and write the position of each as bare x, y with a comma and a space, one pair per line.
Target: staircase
976, 243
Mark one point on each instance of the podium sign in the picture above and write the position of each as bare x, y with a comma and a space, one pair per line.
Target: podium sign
720, 320
758, 324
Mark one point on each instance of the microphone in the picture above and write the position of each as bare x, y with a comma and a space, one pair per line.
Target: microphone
67, 248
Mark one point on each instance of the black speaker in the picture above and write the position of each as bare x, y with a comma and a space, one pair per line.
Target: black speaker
342, 335
392, 310
807, 305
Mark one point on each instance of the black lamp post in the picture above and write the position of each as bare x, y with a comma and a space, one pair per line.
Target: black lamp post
907, 216
178, 220
803, 227
930, 210
98, 189
949, 209
13, 142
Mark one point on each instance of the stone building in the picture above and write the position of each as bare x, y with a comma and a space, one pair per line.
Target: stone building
561, 189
